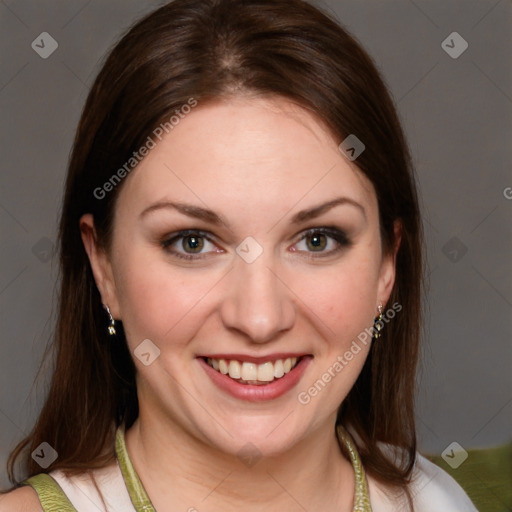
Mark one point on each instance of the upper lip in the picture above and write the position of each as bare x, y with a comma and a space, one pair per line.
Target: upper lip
253, 359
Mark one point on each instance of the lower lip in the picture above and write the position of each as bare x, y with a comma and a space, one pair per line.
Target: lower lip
257, 393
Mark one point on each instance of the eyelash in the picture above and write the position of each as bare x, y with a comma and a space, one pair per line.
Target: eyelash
334, 233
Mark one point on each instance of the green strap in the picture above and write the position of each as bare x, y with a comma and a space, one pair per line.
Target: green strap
136, 490
142, 502
361, 498
53, 498
51, 495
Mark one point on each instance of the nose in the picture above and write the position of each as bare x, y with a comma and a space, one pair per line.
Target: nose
258, 303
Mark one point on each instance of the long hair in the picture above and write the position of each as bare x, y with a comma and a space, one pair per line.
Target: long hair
209, 50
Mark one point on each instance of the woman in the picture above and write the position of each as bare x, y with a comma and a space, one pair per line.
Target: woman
241, 279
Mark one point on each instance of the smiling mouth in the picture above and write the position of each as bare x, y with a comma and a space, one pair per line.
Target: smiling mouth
244, 372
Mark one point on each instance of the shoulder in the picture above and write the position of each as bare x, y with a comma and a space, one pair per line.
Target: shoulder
104, 488
22, 499
431, 489
432, 485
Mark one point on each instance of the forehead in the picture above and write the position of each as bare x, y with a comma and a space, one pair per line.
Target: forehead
246, 153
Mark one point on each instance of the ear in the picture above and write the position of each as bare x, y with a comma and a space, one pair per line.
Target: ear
100, 265
388, 266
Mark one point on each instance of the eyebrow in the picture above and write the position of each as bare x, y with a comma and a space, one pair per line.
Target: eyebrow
211, 217
316, 211
190, 210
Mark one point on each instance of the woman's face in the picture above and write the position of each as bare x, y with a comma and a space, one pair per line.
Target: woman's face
280, 264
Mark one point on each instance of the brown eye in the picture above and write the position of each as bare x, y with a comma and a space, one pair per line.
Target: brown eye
322, 241
193, 243
190, 245
316, 242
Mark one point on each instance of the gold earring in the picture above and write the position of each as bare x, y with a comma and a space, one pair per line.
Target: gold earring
111, 328
378, 324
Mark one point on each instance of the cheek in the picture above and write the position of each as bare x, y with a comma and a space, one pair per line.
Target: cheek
158, 301
344, 296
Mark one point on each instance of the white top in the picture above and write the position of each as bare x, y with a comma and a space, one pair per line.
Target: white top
84, 496
432, 489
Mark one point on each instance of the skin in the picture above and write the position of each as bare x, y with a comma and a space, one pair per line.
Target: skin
256, 163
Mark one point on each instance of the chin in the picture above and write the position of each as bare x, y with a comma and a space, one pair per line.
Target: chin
267, 435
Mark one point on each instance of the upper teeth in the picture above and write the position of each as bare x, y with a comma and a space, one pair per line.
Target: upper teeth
265, 372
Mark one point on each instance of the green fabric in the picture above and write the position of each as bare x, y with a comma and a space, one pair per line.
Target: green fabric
136, 490
142, 502
486, 476
51, 496
361, 497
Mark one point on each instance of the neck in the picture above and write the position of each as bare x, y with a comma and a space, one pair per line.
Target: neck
176, 468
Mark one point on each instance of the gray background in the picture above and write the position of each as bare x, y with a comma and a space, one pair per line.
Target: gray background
456, 113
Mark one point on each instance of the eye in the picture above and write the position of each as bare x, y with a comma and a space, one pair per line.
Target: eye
193, 243
325, 241
190, 244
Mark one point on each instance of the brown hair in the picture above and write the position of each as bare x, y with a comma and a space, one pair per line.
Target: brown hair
206, 50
